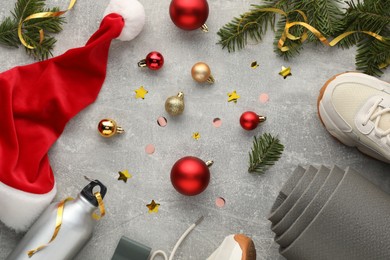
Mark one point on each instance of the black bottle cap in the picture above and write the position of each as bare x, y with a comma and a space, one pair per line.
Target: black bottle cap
87, 192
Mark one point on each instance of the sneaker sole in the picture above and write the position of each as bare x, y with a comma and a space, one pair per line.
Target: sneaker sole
344, 139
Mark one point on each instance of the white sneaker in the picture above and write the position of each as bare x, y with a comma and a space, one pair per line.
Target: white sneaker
355, 108
235, 247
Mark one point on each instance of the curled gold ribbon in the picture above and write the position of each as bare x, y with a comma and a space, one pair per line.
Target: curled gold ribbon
60, 211
37, 16
287, 35
102, 210
324, 40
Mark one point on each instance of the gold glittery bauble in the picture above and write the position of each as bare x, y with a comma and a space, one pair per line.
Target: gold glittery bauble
108, 128
201, 72
175, 105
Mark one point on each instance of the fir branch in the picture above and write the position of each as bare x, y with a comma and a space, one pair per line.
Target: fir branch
252, 24
371, 55
8, 33
265, 152
370, 15
324, 15
31, 28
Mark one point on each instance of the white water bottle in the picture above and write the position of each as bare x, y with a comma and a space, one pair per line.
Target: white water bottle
75, 231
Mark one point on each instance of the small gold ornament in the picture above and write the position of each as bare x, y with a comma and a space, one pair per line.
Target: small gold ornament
175, 104
201, 72
108, 127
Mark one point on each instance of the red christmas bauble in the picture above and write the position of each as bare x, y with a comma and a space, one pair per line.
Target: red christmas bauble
154, 60
249, 120
189, 14
190, 176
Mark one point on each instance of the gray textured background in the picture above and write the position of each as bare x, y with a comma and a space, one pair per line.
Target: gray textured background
291, 113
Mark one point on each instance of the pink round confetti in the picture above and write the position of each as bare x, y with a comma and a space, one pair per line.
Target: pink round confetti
220, 202
217, 122
149, 149
162, 121
263, 97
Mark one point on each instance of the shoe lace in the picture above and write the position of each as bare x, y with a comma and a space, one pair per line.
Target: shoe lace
375, 113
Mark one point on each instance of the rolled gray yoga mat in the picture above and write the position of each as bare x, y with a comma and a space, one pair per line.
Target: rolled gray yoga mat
299, 206
347, 218
292, 197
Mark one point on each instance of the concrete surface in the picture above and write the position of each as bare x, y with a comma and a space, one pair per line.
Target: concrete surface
291, 113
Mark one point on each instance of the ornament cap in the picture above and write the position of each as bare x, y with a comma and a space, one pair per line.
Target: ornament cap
204, 28
262, 119
180, 95
211, 79
209, 163
142, 63
119, 130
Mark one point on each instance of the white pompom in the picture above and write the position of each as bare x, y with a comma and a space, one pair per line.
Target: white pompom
132, 12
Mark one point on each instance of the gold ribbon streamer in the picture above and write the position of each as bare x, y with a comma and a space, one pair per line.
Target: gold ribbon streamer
60, 212
37, 16
286, 34
323, 39
102, 210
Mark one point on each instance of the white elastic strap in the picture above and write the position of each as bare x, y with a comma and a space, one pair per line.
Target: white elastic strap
181, 239
159, 252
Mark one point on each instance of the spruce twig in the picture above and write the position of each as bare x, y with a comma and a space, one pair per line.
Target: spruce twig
265, 152
30, 30
325, 15
374, 16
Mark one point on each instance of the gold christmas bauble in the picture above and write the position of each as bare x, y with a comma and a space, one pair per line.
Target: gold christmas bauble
108, 127
175, 105
201, 72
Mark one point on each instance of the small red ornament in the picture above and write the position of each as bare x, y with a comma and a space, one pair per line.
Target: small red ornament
189, 14
154, 61
250, 120
190, 175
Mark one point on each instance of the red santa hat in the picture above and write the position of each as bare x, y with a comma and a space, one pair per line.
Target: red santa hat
37, 101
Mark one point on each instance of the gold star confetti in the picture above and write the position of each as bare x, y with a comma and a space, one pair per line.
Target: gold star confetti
153, 207
254, 65
196, 135
285, 72
233, 96
141, 92
124, 175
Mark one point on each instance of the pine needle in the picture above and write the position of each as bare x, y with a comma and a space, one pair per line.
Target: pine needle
265, 152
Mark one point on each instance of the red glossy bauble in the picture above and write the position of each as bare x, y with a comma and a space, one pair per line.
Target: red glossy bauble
190, 176
189, 14
249, 120
154, 60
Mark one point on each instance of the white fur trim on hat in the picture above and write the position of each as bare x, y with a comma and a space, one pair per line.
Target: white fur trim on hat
132, 12
19, 209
